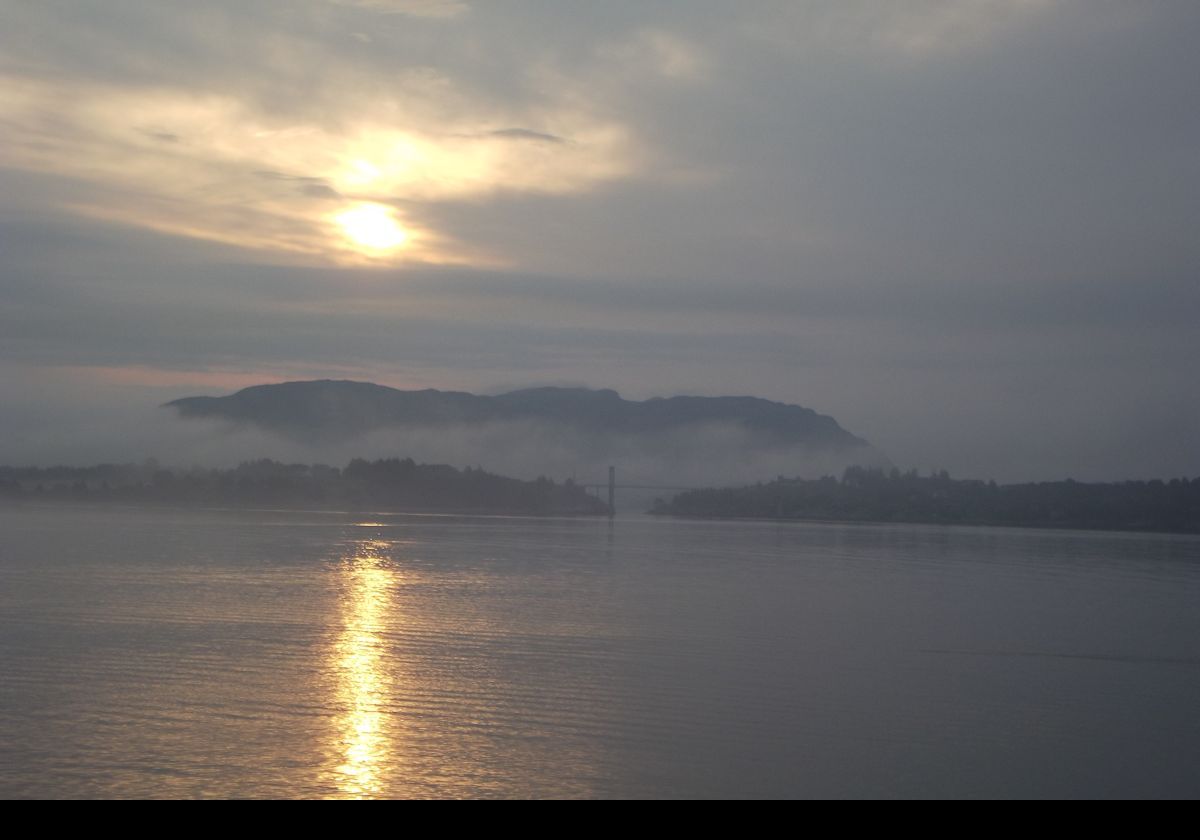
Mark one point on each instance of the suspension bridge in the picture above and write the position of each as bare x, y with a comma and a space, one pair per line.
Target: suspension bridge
612, 487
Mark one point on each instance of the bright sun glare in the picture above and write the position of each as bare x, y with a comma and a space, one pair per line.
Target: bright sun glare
372, 227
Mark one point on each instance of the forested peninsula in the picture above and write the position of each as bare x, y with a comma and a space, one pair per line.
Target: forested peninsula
866, 495
392, 484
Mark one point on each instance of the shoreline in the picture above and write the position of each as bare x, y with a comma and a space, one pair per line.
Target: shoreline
1031, 526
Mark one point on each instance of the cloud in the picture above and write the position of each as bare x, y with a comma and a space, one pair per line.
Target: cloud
657, 53
415, 8
162, 136
910, 29
526, 134
405, 148
169, 148
306, 185
963, 228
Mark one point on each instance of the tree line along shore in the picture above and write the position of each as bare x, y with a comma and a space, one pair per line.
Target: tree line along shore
386, 484
872, 495
401, 484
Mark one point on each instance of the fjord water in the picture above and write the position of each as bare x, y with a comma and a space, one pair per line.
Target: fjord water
267, 654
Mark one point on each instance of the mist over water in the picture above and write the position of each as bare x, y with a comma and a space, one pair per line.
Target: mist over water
701, 455
79, 420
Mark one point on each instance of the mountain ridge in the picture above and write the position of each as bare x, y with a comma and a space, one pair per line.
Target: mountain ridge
333, 409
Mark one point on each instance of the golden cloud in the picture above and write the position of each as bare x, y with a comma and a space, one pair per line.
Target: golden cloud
222, 167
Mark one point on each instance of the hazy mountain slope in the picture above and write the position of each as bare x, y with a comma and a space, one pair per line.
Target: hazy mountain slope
338, 410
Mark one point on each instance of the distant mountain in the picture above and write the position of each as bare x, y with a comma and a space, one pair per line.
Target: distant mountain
340, 410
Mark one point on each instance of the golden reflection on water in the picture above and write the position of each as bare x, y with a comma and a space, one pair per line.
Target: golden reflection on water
362, 677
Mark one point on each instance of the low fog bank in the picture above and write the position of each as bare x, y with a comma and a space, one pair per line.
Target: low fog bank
701, 455
73, 419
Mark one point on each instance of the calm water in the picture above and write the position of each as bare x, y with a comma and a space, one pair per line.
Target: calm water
190, 654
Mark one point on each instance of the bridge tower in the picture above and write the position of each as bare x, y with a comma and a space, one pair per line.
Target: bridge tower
612, 492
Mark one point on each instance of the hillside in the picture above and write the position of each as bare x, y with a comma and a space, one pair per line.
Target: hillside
339, 410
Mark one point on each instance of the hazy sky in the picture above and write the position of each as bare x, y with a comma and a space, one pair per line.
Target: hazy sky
969, 230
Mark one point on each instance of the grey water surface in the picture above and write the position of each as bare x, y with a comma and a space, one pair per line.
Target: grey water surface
299, 654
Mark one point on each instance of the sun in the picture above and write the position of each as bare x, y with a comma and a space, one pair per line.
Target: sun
372, 227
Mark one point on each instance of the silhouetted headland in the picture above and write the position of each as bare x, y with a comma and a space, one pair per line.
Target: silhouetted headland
329, 409
392, 484
867, 495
